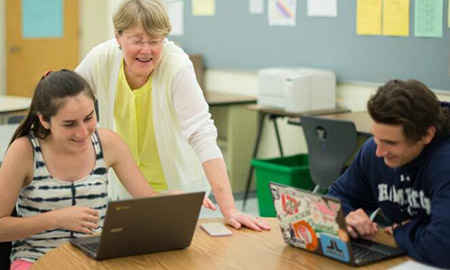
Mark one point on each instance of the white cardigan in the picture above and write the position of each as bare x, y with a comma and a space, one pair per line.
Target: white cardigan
184, 131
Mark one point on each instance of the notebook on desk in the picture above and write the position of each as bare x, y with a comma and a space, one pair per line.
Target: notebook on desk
145, 225
316, 223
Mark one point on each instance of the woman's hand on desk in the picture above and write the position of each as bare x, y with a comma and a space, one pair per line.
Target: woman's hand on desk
236, 219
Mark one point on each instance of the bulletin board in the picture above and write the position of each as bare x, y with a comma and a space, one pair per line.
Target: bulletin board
236, 39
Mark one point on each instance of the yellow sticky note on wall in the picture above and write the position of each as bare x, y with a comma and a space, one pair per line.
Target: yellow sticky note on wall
203, 7
368, 17
396, 18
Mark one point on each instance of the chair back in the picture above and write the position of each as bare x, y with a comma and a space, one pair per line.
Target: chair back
330, 144
5, 250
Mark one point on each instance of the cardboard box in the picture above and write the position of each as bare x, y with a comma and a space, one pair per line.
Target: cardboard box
197, 60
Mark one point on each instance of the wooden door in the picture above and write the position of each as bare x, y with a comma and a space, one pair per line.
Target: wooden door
28, 58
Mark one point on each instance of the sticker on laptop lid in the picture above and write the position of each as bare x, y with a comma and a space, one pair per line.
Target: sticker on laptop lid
334, 247
323, 216
343, 235
328, 210
305, 232
290, 204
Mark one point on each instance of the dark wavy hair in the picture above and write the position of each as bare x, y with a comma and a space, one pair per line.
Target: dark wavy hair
48, 98
410, 104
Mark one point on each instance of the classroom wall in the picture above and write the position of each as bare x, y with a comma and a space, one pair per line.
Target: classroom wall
93, 24
96, 27
2, 49
235, 39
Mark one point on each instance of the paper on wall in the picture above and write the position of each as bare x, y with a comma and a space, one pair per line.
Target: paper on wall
282, 12
203, 7
175, 11
396, 18
322, 8
368, 17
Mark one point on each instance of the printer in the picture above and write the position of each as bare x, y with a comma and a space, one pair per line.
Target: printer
296, 89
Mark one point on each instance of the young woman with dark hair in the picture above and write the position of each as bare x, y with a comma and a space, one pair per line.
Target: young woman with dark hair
54, 173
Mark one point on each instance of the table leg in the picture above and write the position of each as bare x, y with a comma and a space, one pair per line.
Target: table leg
277, 133
261, 117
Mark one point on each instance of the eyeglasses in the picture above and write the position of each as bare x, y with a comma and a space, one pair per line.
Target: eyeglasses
139, 43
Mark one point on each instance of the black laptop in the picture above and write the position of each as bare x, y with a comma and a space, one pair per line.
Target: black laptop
316, 223
145, 225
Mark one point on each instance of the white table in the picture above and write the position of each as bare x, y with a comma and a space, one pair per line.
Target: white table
6, 132
12, 104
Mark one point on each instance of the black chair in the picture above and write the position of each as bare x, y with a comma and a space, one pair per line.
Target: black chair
15, 119
330, 144
5, 250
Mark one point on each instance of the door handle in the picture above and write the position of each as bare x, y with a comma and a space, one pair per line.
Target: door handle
14, 49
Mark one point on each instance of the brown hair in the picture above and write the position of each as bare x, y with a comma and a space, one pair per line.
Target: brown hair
150, 13
410, 104
48, 98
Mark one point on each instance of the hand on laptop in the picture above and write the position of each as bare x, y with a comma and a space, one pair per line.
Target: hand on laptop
236, 219
360, 225
77, 218
390, 229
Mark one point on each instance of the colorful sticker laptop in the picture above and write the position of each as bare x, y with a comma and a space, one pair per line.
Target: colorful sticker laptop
316, 223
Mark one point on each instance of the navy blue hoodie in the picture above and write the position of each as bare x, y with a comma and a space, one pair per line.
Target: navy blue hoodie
418, 191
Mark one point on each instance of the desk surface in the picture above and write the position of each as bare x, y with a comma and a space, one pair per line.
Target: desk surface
280, 112
244, 250
11, 104
224, 99
362, 120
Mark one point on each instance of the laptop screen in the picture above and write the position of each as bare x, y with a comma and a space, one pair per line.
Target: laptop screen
316, 223
311, 221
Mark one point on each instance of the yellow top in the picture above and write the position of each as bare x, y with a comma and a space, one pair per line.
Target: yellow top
133, 118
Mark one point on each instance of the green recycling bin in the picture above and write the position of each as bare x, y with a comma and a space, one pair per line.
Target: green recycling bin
288, 170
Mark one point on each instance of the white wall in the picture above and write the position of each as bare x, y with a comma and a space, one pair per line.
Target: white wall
2, 49
95, 23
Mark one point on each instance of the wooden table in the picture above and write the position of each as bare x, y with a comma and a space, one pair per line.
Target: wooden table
225, 99
11, 105
246, 249
362, 120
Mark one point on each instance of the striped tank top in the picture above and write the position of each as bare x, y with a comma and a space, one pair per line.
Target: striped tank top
46, 193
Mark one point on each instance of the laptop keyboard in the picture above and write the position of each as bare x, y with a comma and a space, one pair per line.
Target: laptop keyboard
91, 246
365, 254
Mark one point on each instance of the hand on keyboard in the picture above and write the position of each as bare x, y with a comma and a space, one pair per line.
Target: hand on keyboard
360, 225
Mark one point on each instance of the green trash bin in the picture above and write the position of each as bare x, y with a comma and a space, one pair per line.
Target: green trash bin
290, 171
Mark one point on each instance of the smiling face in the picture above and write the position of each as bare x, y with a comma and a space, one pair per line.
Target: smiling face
393, 146
72, 126
141, 52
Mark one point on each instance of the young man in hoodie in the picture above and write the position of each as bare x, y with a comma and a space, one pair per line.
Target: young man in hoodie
404, 169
